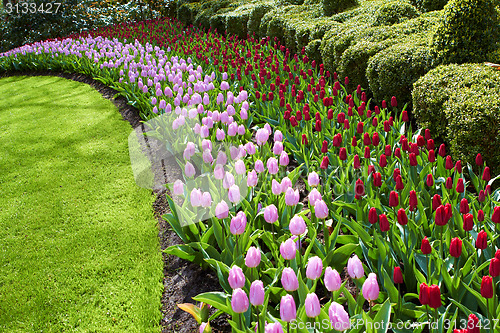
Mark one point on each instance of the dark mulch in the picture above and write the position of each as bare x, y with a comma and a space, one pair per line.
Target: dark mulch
182, 279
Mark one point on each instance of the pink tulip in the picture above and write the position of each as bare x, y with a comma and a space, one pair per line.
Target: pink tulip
314, 196
313, 308
238, 224
239, 301
288, 311
292, 197
189, 170
313, 179
240, 168
252, 258
278, 136
228, 180
272, 165
274, 328
314, 268
236, 277
257, 293
355, 267
288, 249
262, 136
259, 166
278, 148
284, 159
222, 210
332, 279
321, 209
219, 172
285, 184
271, 214
289, 279
196, 196
339, 318
370, 288
276, 187
178, 187
297, 225
252, 179
220, 134
250, 148
206, 200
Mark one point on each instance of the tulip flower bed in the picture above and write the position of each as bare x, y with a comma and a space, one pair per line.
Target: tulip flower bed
319, 210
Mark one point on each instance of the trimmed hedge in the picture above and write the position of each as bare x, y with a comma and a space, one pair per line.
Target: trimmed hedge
429, 5
331, 7
393, 71
466, 100
469, 32
394, 12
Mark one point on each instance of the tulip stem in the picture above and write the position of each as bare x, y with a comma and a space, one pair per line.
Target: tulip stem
399, 300
288, 327
428, 269
436, 315
442, 249
456, 268
428, 316
326, 236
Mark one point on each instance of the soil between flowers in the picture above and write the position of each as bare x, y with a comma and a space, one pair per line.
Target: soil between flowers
182, 279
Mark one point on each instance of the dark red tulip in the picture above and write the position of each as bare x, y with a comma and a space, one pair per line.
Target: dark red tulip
468, 222
413, 200
343, 154
394, 103
434, 296
359, 127
324, 163
448, 212
497, 254
356, 163
293, 121
456, 247
425, 247
431, 157
337, 140
448, 163
473, 324
366, 139
371, 169
458, 166
377, 179
375, 139
481, 196
402, 217
460, 186
494, 267
397, 153
354, 141
430, 180
383, 161
393, 199
482, 240
387, 126
330, 115
464, 206
440, 218
341, 117
430, 144
388, 150
375, 122
424, 295
399, 182
486, 174
487, 189
397, 276
384, 223
495, 217
480, 215
449, 183
442, 150
413, 159
396, 173
405, 117
318, 126
372, 215
367, 152
304, 140
359, 188
487, 286
384, 104
427, 134
420, 141
479, 159
324, 146
298, 115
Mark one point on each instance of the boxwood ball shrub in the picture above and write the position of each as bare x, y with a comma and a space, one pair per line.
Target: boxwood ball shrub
468, 32
393, 71
429, 5
394, 12
457, 103
331, 7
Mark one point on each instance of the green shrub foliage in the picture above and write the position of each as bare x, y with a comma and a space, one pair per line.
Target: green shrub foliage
468, 32
429, 5
394, 12
393, 71
331, 7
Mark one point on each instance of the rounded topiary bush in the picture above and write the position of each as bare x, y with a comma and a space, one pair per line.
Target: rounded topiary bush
392, 71
312, 50
429, 5
474, 124
468, 32
394, 12
331, 7
254, 20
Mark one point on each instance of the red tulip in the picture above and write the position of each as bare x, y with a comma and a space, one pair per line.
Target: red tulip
387, 126
393, 199
468, 222
359, 188
436, 201
456, 247
304, 139
384, 223
449, 183
394, 103
434, 296
324, 146
479, 159
356, 163
480, 215
383, 161
427, 134
388, 150
397, 153
324, 163
413, 200
430, 144
372, 215
442, 150
430, 180
431, 157
424, 296
375, 139
377, 179
497, 254
495, 217
367, 152
298, 115
413, 159
464, 206
458, 166
448, 163
440, 218
354, 141
486, 174
460, 186
359, 127
343, 154
487, 287
399, 183
425, 247
481, 196
482, 240
318, 126
293, 121
402, 217
420, 141
397, 276
473, 324
494, 267
384, 104
330, 115
366, 139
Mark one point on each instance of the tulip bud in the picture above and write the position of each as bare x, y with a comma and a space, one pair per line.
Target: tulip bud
402, 217
394, 103
479, 159
372, 215
397, 276
332, 279
436, 201
257, 293
468, 222
413, 159
426, 246
321, 209
370, 288
383, 161
480, 215
434, 296
271, 214
424, 296
460, 186
384, 223
495, 217
342, 154
339, 318
456, 247
442, 150
313, 308
448, 163
238, 223
487, 287
314, 268
355, 267
482, 240
239, 301
393, 199
222, 210
494, 267
289, 279
413, 200
324, 163
252, 258
288, 249
313, 179
297, 225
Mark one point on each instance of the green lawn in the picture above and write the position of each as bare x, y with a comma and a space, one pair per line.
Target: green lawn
79, 247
